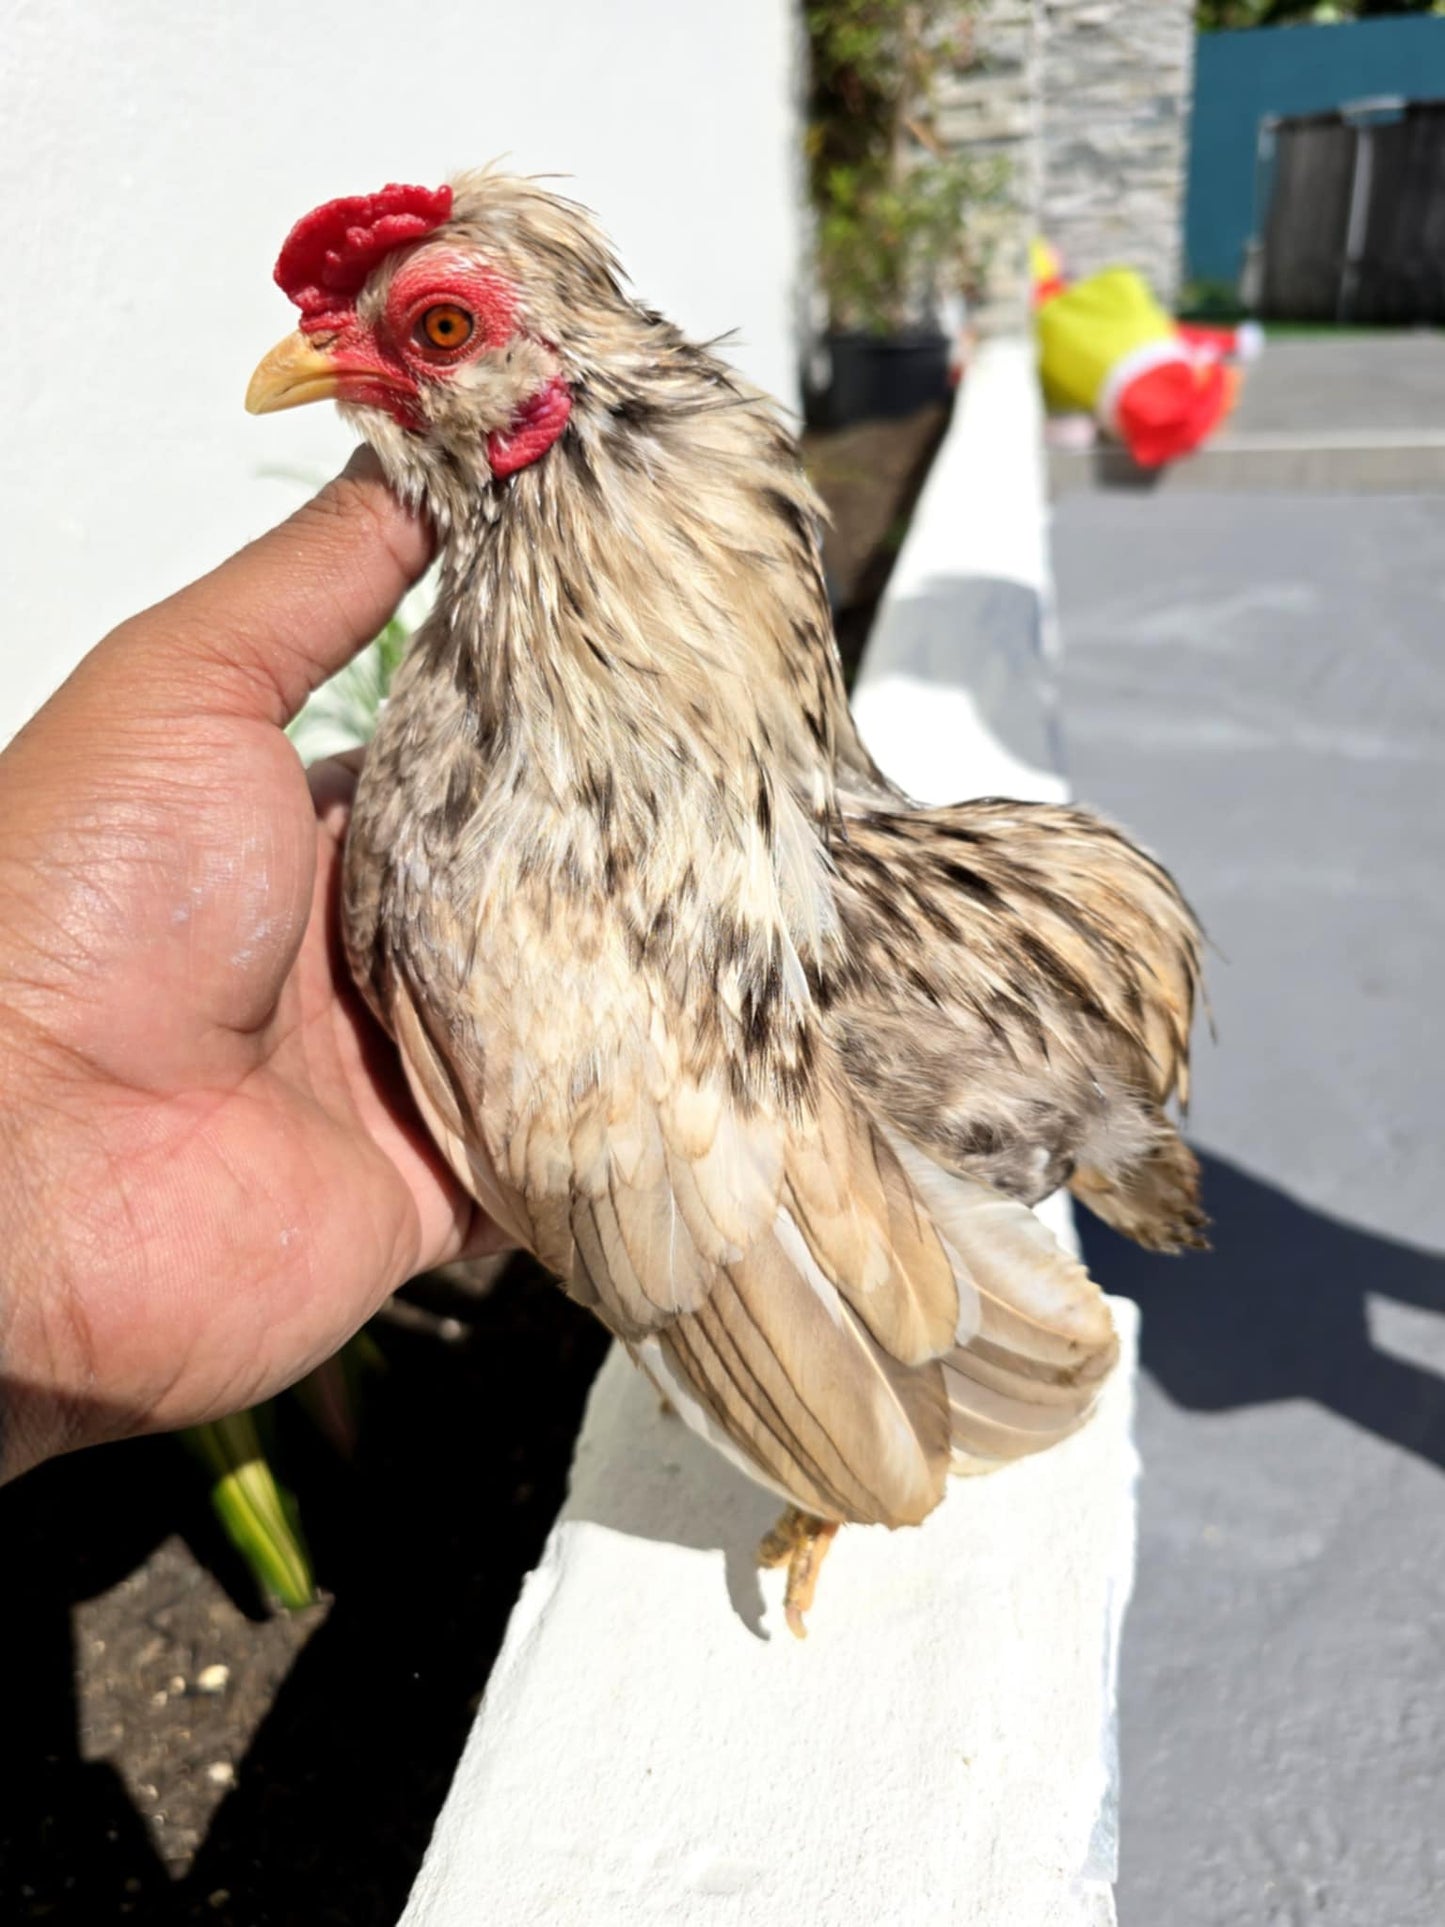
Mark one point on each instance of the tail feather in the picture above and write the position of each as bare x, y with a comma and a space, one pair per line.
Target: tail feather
1035, 1339
1154, 1200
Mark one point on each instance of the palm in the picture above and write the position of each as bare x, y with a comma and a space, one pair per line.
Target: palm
229, 1176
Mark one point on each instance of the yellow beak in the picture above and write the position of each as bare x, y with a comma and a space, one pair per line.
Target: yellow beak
294, 372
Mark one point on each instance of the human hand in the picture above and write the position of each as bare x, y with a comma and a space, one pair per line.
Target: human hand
211, 1172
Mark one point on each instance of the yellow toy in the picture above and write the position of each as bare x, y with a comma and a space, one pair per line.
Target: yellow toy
1107, 348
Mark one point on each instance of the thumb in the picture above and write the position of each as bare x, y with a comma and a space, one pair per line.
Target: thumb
257, 635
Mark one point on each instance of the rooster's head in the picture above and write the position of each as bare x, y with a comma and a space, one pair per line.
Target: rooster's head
454, 325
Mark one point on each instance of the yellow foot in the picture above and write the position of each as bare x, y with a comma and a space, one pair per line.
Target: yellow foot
800, 1542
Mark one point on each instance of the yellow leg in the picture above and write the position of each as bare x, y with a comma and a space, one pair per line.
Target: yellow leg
800, 1542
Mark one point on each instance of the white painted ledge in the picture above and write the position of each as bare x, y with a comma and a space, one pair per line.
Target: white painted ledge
955, 697
653, 1745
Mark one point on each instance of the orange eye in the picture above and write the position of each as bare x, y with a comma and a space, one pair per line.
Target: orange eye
445, 326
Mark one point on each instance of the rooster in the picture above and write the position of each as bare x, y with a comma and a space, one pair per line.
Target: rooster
765, 1062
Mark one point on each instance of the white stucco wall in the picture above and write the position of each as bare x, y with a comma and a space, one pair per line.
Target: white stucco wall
153, 154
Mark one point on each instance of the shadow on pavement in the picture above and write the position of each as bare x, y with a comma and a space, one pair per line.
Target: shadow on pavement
1278, 1311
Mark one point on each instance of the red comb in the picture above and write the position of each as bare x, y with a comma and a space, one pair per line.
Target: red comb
331, 251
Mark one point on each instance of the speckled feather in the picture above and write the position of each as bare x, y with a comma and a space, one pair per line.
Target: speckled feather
762, 1060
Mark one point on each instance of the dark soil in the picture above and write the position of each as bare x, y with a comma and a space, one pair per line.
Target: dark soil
870, 476
170, 1751
303, 1788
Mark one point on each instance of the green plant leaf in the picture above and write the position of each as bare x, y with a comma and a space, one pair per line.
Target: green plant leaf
898, 228
258, 1516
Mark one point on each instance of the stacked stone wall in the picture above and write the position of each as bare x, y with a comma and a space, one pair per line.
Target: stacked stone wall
991, 106
1085, 104
1117, 81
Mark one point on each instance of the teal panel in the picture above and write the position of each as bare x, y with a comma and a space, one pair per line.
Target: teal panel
1242, 77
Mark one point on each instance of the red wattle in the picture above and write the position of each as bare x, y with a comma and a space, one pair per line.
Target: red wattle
534, 428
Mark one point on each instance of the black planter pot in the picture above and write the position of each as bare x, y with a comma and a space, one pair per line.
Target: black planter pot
887, 375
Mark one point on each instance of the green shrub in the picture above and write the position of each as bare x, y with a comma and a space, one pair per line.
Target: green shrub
893, 205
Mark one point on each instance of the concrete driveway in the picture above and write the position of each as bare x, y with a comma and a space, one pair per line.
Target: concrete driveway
1377, 382
1346, 413
1256, 685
